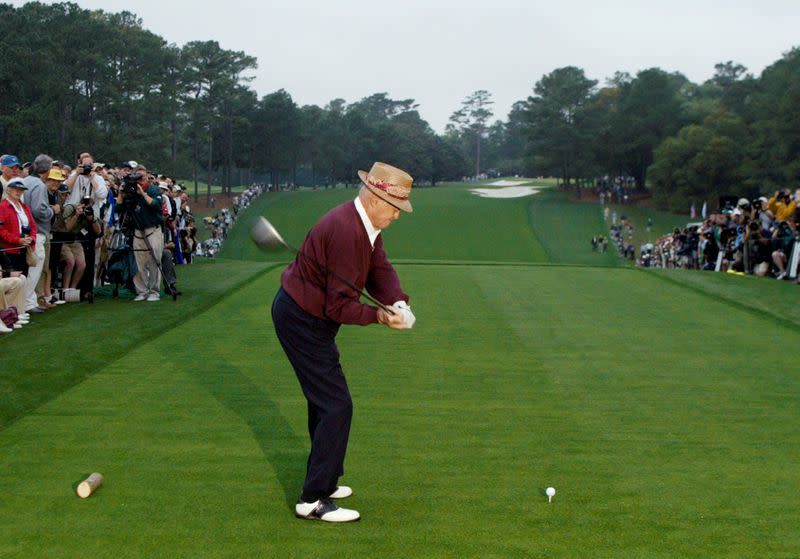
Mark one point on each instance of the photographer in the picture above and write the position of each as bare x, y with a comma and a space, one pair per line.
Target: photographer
79, 222
140, 205
782, 205
85, 181
758, 250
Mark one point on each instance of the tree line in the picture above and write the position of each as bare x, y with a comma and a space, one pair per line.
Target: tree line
734, 134
77, 79
88, 79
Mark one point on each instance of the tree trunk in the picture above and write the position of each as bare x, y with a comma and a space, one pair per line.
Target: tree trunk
210, 162
194, 171
478, 157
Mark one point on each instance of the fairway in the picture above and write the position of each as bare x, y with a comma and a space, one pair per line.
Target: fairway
534, 362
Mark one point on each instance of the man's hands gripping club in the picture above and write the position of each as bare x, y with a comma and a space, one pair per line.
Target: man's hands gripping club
401, 319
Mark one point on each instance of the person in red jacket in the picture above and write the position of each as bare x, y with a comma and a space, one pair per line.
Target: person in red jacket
17, 228
311, 305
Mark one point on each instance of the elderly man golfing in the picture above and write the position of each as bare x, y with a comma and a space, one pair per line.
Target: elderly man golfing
341, 255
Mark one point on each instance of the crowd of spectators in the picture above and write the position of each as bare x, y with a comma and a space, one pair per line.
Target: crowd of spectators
67, 228
219, 224
758, 238
610, 189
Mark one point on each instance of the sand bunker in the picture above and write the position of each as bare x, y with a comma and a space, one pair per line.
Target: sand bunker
507, 192
508, 183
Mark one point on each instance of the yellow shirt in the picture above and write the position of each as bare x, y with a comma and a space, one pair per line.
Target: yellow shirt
783, 212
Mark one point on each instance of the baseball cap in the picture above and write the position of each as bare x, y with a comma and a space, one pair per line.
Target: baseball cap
17, 183
9, 161
743, 202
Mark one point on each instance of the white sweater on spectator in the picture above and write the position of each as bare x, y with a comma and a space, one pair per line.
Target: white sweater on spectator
98, 190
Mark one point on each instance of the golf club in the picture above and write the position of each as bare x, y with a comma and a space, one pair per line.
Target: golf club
267, 237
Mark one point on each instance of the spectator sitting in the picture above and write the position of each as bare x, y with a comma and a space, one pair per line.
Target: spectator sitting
12, 294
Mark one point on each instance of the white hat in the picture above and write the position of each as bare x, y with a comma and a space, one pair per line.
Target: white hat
163, 186
743, 202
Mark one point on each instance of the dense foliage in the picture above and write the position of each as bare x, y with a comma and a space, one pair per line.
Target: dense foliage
84, 79
75, 79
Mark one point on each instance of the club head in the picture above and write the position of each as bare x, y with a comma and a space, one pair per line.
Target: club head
266, 236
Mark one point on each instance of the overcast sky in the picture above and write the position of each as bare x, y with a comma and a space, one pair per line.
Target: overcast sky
439, 51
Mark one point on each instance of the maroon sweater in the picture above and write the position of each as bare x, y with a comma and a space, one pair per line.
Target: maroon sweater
340, 243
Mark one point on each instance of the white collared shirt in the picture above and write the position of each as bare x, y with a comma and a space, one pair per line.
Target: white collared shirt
372, 232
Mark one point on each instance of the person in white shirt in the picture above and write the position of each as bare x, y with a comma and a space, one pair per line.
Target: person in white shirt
85, 181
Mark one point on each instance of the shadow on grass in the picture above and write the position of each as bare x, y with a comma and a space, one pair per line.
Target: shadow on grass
282, 447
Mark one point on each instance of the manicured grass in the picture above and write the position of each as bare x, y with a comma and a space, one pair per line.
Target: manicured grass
660, 405
202, 188
566, 230
70, 343
663, 222
521, 378
448, 223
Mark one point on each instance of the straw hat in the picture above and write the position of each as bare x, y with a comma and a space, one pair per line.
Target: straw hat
56, 174
390, 183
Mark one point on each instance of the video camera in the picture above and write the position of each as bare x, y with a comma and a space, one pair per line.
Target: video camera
130, 182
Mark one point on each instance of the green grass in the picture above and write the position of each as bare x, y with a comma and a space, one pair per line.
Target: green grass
448, 223
39, 362
565, 230
663, 222
655, 402
202, 188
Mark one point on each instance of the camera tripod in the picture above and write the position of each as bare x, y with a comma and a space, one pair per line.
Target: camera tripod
128, 217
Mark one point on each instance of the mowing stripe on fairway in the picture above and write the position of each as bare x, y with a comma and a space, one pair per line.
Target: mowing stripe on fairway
595, 381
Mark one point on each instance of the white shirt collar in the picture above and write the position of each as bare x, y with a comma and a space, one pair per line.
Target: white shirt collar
372, 232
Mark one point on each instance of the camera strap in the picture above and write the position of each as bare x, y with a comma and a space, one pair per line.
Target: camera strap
83, 186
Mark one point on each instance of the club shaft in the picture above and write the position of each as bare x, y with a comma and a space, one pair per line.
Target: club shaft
345, 281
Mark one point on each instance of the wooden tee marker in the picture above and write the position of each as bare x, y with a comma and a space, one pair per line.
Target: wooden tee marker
90, 485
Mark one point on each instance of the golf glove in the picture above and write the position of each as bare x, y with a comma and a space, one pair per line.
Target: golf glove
403, 308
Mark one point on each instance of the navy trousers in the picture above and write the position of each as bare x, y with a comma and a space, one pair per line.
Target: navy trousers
310, 345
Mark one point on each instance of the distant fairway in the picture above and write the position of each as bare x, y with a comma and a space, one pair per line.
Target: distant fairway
656, 404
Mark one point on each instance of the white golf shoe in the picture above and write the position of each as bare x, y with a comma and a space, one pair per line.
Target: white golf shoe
342, 492
324, 510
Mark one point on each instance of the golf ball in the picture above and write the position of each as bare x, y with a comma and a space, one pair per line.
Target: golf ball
550, 491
